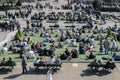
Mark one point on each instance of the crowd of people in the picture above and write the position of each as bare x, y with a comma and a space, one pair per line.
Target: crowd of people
72, 42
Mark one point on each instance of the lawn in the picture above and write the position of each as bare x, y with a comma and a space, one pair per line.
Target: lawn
81, 58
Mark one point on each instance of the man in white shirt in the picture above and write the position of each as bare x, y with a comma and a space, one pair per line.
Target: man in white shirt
51, 60
4, 50
49, 75
31, 54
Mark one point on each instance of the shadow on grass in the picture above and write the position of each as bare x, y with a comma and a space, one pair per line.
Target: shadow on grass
4, 70
99, 73
13, 76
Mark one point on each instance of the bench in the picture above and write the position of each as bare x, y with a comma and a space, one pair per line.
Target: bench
8, 64
110, 67
54, 26
48, 65
72, 26
53, 66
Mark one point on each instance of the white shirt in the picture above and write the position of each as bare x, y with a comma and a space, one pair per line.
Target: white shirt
51, 60
5, 49
31, 54
113, 43
49, 75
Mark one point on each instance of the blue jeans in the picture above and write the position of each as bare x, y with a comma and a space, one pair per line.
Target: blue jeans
107, 50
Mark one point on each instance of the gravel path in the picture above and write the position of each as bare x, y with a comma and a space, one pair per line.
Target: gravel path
3, 35
67, 72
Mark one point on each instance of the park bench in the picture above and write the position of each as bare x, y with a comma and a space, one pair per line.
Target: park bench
54, 26
8, 64
110, 67
54, 66
72, 26
48, 65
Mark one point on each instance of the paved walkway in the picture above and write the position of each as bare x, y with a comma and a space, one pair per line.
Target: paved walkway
69, 71
3, 35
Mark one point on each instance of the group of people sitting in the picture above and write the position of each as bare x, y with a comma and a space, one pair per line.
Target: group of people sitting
100, 62
4, 61
51, 60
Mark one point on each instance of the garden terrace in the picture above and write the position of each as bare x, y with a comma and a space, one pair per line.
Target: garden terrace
39, 37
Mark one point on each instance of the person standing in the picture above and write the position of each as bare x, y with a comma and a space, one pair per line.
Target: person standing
49, 74
24, 65
113, 43
107, 44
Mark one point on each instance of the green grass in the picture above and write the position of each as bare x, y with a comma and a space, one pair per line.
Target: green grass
81, 58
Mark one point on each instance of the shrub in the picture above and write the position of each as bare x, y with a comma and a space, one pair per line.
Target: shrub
17, 36
109, 34
96, 27
28, 26
20, 33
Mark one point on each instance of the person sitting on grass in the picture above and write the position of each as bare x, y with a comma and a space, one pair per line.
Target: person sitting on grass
67, 52
101, 48
72, 43
4, 49
25, 46
115, 56
91, 56
59, 45
15, 49
47, 39
63, 56
30, 54
74, 52
45, 52
37, 46
33, 33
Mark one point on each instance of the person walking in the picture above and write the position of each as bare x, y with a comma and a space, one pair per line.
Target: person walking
49, 74
24, 65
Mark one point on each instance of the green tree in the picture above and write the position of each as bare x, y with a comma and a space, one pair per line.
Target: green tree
28, 26
96, 27
17, 36
20, 33
109, 34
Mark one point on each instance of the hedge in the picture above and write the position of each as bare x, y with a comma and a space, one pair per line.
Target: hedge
110, 9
